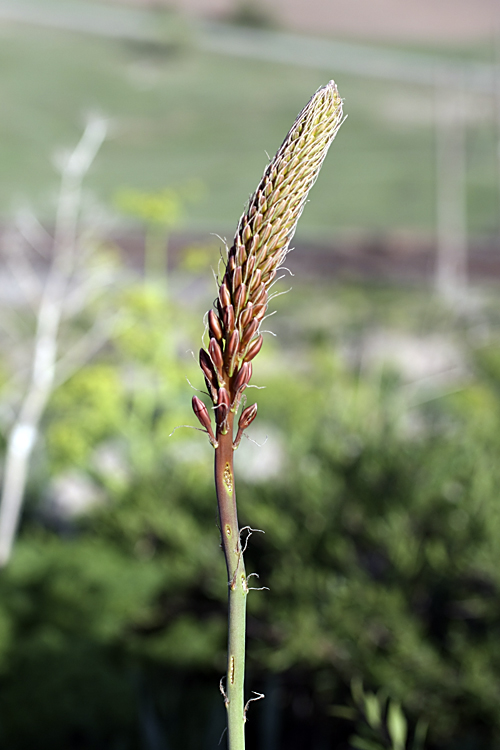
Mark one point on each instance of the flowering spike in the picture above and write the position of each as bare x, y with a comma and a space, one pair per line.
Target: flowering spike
261, 244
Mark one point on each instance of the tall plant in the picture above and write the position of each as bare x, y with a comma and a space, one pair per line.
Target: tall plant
260, 245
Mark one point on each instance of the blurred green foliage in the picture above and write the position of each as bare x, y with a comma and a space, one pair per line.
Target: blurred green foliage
381, 548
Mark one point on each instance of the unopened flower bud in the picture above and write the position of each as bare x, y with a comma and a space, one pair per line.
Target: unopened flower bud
224, 295
223, 405
229, 319
203, 416
255, 280
233, 344
247, 416
249, 332
206, 365
249, 266
242, 377
237, 278
215, 354
214, 326
254, 349
240, 298
241, 254
260, 296
246, 316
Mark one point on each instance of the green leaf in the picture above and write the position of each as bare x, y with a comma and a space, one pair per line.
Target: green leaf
362, 744
397, 726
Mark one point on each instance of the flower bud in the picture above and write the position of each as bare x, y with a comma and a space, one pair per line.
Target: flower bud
240, 298
241, 254
233, 344
254, 349
228, 319
247, 416
224, 296
206, 365
203, 416
246, 316
259, 297
237, 279
266, 232
249, 266
216, 355
242, 377
255, 280
223, 405
214, 326
249, 332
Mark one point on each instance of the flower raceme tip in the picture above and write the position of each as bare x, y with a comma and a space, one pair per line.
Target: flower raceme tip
260, 246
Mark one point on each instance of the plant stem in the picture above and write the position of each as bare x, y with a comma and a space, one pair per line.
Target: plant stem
237, 583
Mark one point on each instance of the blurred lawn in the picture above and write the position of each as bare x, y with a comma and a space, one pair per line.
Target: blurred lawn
186, 115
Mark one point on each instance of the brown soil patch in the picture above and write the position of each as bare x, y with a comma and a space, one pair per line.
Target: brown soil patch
421, 21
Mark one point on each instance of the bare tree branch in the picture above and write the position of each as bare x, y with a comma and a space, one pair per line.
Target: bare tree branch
25, 430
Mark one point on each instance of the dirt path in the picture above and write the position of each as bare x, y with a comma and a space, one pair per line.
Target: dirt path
448, 21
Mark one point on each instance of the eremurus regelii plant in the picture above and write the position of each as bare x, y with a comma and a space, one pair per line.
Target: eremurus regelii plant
260, 245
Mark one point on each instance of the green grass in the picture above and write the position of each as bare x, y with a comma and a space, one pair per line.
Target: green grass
196, 116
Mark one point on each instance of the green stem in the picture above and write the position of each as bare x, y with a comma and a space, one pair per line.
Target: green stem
237, 583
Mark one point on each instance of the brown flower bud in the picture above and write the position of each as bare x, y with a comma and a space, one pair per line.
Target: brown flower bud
228, 319
216, 355
224, 296
246, 316
233, 344
214, 326
249, 332
240, 298
266, 266
259, 297
223, 405
255, 280
232, 352
203, 416
249, 266
241, 254
246, 234
253, 244
237, 278
247, 416
253, 349
242, 377
206, 365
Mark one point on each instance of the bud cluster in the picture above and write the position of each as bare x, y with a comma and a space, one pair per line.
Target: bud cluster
260, 245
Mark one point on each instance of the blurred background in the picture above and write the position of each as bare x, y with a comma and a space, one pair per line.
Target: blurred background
131, 135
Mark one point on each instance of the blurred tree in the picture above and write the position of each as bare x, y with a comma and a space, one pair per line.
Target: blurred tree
53, 298
381, 553
161, 211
